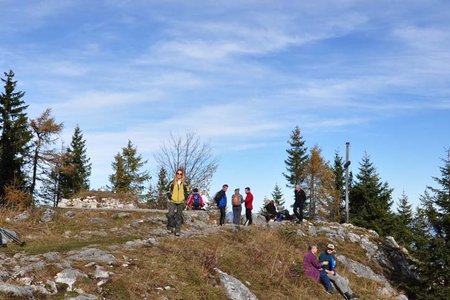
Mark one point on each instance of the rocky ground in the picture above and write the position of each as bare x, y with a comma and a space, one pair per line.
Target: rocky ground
88, 269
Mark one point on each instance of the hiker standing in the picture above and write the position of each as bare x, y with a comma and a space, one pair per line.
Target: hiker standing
178, 192
195, 200
248, 206
237, 201
300, 199
221, 201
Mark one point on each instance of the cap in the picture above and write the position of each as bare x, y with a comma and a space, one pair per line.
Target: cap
330, 246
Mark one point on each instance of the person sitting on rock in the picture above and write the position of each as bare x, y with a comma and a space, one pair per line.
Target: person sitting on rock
314, 269
270, 211
339, 281
195, 200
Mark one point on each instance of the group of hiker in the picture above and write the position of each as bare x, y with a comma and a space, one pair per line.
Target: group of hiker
179, 197
322, 270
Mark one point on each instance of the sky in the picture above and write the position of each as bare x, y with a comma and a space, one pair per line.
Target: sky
241, 75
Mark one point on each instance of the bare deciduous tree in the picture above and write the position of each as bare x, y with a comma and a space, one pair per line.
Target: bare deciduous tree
190, 154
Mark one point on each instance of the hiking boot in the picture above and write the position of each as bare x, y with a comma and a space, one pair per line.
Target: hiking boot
3, 245
350, 296
170, 229
331, 292
177, 233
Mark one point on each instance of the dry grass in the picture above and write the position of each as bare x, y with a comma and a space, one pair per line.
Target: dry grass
268, 261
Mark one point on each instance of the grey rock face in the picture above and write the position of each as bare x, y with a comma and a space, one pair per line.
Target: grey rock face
97, 220
91, 254
151, 241
69, 214
48, 215
121, 215
34, 267
5, 238
22, 292
101, 273
360, 269
69, 277
52, 256
235, 289
22, 217
84, 297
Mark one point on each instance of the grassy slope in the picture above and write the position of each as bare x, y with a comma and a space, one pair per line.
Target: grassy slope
269, 261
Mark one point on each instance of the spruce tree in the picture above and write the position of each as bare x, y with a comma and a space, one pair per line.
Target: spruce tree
277, 196
403, 220
78, 179
127, 176
161, 189
370, 200
296, 160
14, 135
432, 248
337, 210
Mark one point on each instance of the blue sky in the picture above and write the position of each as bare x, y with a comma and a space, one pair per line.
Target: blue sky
242, 75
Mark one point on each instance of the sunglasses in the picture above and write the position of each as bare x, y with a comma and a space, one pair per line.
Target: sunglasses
179, 173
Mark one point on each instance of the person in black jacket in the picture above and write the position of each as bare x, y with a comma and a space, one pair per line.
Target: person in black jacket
221, 201
300, 198
270, 211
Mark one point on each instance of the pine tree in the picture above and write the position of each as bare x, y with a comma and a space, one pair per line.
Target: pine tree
161, 189
14, 136
127, 176
297, 158
78, 165
403, 220
370, 200
337, 210
432, 248
277, 196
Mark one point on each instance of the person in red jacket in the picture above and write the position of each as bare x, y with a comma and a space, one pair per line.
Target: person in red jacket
195, 201
248, 206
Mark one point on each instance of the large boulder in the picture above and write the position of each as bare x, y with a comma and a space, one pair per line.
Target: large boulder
235, 289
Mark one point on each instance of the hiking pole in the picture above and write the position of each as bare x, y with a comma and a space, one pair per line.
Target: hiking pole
13, 238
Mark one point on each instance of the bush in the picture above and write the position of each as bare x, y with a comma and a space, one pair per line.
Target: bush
16, 199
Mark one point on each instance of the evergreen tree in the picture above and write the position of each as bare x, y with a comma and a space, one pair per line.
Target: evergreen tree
432, 248
77, 166
277, 196
127, 176
297, 158
370, 200
403, 220
14, 136
337, 210
161, 189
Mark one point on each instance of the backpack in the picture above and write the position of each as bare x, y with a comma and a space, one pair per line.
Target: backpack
236, 201
196, 202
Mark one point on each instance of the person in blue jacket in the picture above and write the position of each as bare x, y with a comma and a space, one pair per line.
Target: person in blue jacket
221, 201
339, 281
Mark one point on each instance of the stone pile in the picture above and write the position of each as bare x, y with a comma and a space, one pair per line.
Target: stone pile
93, 202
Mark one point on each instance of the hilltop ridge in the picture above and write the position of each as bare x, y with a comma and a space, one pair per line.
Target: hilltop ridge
109, 254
